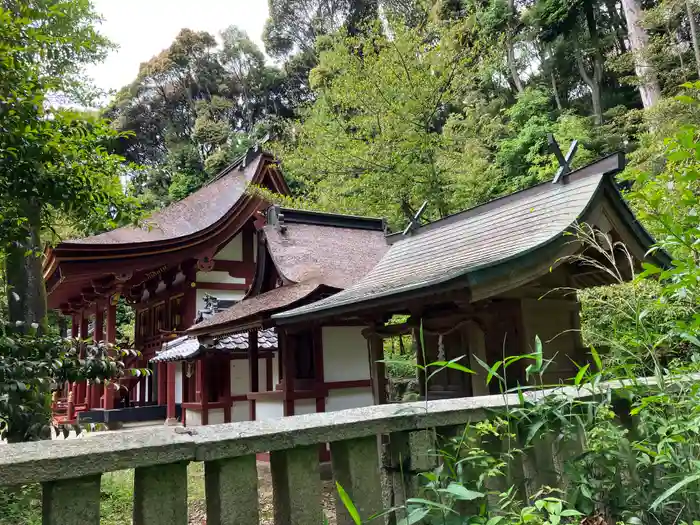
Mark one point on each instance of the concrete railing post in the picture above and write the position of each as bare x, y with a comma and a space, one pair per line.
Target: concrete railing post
232, 491
296, 486
71, 501
160, 495
356, 469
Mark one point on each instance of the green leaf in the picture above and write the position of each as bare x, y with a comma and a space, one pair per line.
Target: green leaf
426, 502
461, 492
580, 374
349, 505
570, 512
596, 359
414, 516
672, 490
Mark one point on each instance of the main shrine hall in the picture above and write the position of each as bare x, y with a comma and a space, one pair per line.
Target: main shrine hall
249, 311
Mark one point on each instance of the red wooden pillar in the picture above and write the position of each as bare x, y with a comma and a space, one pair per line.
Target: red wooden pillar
75, 326
170, 412
83, 334
74, 333
253, 374
111, 338
97, 335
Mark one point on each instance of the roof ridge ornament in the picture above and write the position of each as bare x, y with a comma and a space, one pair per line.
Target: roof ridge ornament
415, 221
564, 162
275, 218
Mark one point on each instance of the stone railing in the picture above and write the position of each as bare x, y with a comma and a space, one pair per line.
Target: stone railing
70, 471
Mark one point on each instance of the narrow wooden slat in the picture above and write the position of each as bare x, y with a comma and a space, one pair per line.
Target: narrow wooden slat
71, 501
296, 486
356, 469
160, 495
232, 491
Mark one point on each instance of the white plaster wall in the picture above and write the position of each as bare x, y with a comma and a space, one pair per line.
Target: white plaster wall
304, 406
233, 251
193, 418
178, 382
349, 398
345, 355
239, 377
219, 294
268, 409
240, 411
262, 375
275, 370
240, 383
218, 276
216, 416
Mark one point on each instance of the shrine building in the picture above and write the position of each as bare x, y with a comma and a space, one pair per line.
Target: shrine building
248, 311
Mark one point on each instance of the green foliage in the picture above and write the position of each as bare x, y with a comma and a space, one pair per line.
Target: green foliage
32, 366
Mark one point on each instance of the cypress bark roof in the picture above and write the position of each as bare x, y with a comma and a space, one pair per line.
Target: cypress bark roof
192, 214
490, 235
313, 252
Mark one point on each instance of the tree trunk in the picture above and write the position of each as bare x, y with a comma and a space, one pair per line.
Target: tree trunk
594, 85
510, 51
693, 33
649, 88
595, 80
560, 107
617, 23
513, 68
25, 280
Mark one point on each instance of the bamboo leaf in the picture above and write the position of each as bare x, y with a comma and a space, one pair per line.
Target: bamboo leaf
348, 504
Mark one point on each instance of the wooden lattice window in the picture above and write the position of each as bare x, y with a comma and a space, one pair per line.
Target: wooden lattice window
160, 321
176, 312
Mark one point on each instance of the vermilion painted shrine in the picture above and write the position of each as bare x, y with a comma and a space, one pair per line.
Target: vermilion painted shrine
247, 311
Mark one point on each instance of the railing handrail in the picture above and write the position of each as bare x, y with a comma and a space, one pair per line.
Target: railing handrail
56, 460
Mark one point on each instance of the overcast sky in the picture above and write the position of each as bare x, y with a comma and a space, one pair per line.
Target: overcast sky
142, 28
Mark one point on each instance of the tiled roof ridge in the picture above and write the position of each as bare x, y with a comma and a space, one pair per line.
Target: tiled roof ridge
337, 220
581, 172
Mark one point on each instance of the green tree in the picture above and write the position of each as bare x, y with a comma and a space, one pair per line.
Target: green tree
372, 141
51, 160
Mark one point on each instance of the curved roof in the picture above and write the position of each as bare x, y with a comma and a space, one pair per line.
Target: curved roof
488, 235
194, 213
203, 221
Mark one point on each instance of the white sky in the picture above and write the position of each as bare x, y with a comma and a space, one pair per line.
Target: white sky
143, 28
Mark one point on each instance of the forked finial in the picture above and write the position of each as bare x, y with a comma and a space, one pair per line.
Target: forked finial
564, 162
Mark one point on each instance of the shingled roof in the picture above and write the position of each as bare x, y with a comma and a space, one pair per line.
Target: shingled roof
314, 253
335, 250
192, 214
266, 302
203, 221
501, 231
